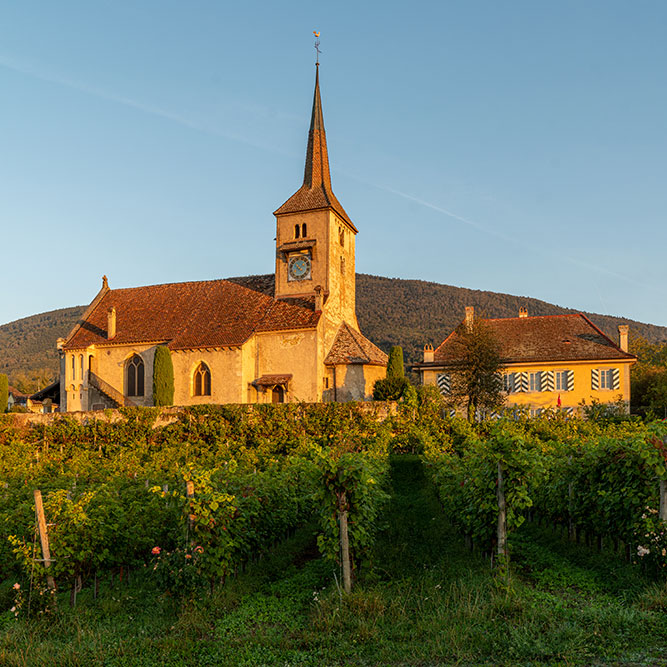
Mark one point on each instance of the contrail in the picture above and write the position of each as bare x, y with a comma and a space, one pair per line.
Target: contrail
22, 68
510, 239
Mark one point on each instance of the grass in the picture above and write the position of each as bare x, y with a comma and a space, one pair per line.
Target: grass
422, 600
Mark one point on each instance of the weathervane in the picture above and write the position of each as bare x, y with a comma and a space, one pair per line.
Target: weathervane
317, 46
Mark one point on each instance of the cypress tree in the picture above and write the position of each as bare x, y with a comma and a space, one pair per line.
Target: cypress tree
163, 377
395, 364
4, 392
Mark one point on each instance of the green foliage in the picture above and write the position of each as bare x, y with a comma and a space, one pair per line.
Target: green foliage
395, 367
354, 482
4, 392
476, 381
163, 377
389, 389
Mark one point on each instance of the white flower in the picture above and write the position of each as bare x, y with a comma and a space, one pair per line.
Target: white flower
642, 551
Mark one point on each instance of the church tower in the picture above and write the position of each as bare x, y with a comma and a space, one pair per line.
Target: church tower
315, 238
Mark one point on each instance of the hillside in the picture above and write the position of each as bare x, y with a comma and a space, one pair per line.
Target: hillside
391, 311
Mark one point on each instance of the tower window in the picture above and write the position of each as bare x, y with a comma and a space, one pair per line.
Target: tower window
202, 380
135, 376
341, 236
73, 367
297, 231
304, 230
342, 264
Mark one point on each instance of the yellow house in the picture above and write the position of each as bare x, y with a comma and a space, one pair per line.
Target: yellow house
549, 361
244, 340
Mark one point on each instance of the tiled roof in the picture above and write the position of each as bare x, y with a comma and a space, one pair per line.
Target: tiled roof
212, 313
542, 339
351, 347
16, 393
272, 380
316, 192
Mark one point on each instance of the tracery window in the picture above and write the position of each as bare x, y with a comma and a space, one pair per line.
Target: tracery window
134, 372
202, 380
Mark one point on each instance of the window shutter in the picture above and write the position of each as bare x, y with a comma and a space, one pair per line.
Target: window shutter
569, 411
615, 378
570, 380
547, 380
444, 383
523, 381
595, 379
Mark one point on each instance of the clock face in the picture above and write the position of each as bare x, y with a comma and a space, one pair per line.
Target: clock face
299, 267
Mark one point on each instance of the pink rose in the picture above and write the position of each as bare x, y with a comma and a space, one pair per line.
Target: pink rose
156, 551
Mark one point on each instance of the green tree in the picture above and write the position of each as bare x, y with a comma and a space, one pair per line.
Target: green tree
4, 392
395, 368
163, 377
476, 381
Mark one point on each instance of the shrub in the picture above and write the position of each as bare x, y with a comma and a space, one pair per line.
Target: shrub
4, 392
163, 377
395, 367
389, 389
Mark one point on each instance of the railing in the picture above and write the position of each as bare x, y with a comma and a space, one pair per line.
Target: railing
116, 396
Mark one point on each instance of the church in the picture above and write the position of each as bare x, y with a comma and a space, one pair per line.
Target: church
290, 337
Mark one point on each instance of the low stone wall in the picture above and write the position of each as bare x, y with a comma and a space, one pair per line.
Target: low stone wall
383, 409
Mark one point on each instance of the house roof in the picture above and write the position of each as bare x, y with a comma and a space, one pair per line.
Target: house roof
211, 313
571, 337
16, 393
351, 347
272, 380
316, 192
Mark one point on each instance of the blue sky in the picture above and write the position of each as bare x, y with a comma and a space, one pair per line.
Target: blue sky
518, 147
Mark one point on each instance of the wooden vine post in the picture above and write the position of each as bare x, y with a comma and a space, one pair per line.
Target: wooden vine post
44, 538
344, 542
502, 515
190, 492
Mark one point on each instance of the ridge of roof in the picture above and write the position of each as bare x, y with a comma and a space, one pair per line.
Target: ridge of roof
186, 315
537, 344
316, 192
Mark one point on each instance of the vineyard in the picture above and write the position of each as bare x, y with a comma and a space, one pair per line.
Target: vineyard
338, 501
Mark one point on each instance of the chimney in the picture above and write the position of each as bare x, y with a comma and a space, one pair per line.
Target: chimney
470, 316
428, 353
523, 312
111, 323
623, 336
318, 298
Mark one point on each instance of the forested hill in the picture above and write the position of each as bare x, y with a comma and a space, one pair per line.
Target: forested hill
391, 311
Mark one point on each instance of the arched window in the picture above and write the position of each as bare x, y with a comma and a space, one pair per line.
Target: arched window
297, 229
134, 371
73, 367
304, 230
278, 394
341, 236
202, 380
81, 366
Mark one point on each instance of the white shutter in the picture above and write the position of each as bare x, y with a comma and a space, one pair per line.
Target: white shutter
444, 383
595, 379
615, 378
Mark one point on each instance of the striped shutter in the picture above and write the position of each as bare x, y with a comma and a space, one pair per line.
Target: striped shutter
570, 381
595, 379
508, 383
569, 411
444, 383
615, 378
547, 380
522, 380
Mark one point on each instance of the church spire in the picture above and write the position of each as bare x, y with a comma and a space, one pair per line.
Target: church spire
316, 192
317, 156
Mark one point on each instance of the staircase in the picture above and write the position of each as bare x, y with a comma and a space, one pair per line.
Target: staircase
110, 392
